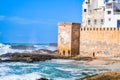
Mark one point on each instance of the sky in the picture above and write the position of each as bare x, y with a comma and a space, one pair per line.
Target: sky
36, 21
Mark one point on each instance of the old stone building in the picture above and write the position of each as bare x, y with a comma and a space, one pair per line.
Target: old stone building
68, 39
99, 35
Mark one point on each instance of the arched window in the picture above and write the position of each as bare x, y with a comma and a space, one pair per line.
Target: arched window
63, 52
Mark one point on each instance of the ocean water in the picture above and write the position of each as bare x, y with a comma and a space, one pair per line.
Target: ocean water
23, 48
53, 70
56, 69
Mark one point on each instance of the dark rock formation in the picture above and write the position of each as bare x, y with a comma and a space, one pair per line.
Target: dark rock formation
103, 76
33, 57
42, 79
27, 57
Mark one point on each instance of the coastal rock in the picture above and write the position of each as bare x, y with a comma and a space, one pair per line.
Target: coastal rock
27, 57
42, 79
103, 76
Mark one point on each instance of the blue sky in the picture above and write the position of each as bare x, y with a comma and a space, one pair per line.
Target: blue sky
36, 21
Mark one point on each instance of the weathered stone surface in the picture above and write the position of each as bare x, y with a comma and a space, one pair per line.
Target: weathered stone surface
68, 39
92, 42
103, 76
99, 49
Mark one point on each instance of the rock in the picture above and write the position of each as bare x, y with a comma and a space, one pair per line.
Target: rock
42, 79
103, 76
28, 57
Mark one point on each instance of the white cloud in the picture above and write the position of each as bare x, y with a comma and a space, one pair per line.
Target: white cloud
2, 17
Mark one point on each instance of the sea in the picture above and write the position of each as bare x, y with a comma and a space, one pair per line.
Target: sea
55, 69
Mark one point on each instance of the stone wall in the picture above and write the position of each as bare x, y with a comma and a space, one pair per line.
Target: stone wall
100, 42
94, 42
68, 39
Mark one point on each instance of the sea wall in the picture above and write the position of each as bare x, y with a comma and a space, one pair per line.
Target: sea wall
100, 42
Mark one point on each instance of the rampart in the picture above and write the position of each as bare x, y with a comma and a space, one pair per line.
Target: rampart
88, 41
100, 42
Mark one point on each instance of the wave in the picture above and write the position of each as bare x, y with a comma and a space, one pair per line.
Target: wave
25, 48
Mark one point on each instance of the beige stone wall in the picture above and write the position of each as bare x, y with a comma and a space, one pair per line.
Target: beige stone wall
94, 42
68, 39
99, 41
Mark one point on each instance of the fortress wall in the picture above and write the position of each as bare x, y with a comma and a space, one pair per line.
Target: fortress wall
100, 42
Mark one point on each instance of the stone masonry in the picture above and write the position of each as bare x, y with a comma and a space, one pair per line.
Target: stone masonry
68, 39
93, 42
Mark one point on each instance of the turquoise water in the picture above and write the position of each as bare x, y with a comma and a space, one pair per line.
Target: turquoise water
53, 70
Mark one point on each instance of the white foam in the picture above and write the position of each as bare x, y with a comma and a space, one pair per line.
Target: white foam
4, 70
52, 48
4, 48
31, 76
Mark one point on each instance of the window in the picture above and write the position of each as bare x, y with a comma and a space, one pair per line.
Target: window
63, 52
88, 22
69, 52
95, 21
102, 21
109, 19
108, 12
85, 10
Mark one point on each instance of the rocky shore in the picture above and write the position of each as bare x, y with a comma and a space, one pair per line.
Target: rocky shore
33, 57
103, 76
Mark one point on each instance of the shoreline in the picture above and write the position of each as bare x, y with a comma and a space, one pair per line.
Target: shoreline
33, 57
29, 58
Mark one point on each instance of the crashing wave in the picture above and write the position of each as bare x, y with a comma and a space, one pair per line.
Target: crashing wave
21, 48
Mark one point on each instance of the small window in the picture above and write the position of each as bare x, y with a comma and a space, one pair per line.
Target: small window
88, 22
69, 52
102, 21
95, 21
109, 19
85, 10
108, 12
63, 52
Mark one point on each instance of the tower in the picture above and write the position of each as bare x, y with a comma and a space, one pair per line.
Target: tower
68, 39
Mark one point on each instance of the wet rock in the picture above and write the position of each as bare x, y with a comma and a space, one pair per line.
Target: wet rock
42, 79
27, 57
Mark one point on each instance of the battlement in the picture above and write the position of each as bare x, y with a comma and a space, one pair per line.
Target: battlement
99, 29
101, 34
